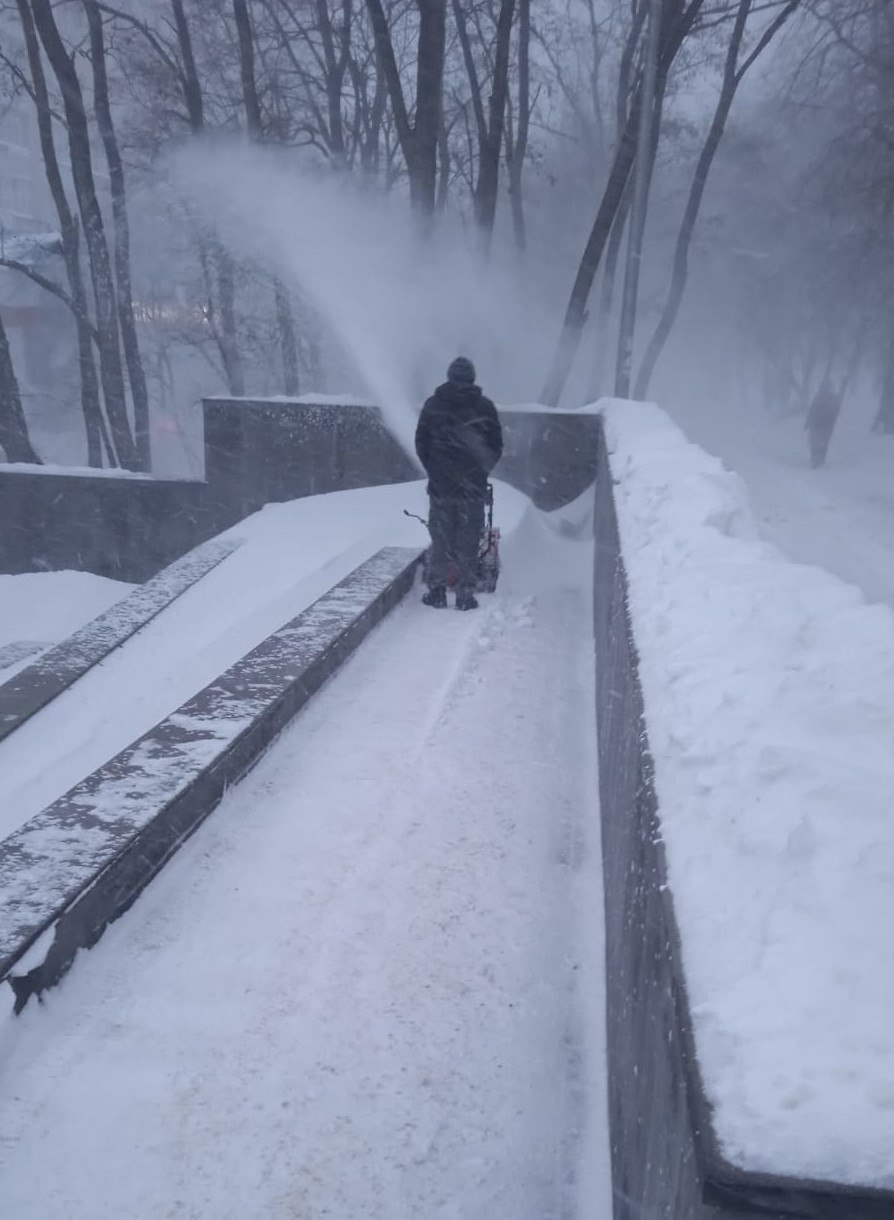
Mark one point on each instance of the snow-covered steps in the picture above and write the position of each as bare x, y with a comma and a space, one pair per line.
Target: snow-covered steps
75, 867
57, 669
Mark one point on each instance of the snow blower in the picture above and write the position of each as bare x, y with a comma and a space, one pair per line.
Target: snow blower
488, 549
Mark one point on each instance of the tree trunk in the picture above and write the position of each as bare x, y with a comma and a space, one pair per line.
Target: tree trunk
126, 319
443, 168
284, 320
215, 260
653, 86
607, 292
336, 65
229, 348
884, 418
517, 150
91, 407
677, 20
111, 370
287, 342
732, 78
492, 147
14, 439
247, 69
429, 90
192, 90
575, 314
419, 142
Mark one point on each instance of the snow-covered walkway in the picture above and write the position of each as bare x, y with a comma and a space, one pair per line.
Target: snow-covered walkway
370, 986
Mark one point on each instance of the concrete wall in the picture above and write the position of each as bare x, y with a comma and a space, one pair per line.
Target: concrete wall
256, 451
264, 450
654, 1163
125, 528
549, 455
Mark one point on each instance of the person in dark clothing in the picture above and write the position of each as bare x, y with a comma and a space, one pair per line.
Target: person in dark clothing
459, 441
821, 420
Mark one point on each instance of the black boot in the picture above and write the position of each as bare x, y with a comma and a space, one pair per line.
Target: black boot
436, 597
466, 601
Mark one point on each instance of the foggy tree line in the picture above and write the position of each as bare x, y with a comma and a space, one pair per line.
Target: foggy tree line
455, 104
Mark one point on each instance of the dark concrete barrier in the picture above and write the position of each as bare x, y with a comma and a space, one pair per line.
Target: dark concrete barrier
549, 455
278, 449
60, 667
256, 451
266, 450
78, 865
124, 527
666, 1161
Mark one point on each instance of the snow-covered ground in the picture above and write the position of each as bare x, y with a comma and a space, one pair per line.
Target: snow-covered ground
291, 554
769, 691
371, 984
840, 517
38, 609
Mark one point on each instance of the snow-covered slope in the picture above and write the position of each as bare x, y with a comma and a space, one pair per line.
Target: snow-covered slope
291, 554
44, 607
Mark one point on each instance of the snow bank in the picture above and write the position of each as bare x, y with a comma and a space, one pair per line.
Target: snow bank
47, 606
769, 693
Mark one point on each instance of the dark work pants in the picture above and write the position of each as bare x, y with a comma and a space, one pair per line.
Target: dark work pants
455, 524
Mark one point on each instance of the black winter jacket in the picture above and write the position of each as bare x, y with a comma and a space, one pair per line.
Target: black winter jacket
459, 440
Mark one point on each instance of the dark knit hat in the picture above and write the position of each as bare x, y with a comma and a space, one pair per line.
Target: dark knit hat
461, 371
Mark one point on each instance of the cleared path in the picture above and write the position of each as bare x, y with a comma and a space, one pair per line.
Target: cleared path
370, 986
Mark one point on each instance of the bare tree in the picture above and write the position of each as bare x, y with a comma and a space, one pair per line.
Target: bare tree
104, 294
123, 284
215, 259
418, 140
678, 18
518, 127
285, 321
14, 439
733, 74
489, 122
70, 233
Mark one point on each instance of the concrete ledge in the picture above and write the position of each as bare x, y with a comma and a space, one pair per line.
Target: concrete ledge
665, 1157
18, 650
58, 668
78, 865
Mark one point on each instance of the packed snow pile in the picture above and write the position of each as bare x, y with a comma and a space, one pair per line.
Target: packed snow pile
769, 693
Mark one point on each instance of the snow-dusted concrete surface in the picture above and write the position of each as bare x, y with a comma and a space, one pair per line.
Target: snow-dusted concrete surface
53, 671
290, 555
371, 985
769, 698
44, 607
